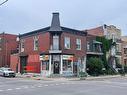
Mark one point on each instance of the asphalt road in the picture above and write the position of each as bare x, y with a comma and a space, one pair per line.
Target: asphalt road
18, 86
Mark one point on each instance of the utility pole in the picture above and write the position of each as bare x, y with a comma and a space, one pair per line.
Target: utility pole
3, 2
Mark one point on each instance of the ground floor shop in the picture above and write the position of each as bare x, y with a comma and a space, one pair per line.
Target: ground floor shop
57, 64
49, 64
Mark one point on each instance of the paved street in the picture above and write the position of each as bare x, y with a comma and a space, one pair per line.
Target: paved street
19, 86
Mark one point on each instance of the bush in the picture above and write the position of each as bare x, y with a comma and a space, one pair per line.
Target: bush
125, 69
82, 74
95, 66
109, 72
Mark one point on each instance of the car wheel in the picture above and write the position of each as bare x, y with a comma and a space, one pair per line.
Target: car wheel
3, 74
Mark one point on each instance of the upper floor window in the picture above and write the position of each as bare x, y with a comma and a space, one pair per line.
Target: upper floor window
36, 44
78, 44
22, 45
56, 42
67, 42
88, 46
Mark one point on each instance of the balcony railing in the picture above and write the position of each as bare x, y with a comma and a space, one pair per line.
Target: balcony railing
95, 52
54, 50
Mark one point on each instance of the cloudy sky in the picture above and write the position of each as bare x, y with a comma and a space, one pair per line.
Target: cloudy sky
22, 16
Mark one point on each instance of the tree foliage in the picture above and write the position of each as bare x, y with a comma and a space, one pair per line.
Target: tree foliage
95, 66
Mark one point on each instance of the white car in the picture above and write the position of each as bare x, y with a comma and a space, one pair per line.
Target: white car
7, 72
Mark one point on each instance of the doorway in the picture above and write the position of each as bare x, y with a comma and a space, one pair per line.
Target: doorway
23, 63
56, 67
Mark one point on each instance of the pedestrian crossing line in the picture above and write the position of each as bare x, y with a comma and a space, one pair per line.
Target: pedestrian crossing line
39, 86
1, 90
26, 87
51, 84
17, 88
46, 85
62, 83
56, 84
9, 89
32, 87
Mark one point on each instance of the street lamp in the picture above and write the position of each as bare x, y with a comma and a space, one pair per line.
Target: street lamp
3, 2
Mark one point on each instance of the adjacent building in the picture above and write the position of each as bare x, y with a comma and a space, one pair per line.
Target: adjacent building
110, 32
124, 50
8, 45
94, 47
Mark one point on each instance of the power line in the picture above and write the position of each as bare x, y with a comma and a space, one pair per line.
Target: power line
3, 2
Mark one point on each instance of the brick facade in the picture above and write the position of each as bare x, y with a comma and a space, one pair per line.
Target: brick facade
8, 44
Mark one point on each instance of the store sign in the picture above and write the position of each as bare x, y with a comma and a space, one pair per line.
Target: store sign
44, 57
67, 57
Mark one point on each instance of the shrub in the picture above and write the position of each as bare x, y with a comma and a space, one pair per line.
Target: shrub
95, 66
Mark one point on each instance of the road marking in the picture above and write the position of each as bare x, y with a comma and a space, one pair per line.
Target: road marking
32, 87
51, 84
39, 86
46, 85
56, 84
26, 87
9, 89
17, 88
1, 90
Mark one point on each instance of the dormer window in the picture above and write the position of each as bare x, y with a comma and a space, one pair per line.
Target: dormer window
55, 42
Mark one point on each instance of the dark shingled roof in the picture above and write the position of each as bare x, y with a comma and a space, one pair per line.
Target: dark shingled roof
55, 28
55, 25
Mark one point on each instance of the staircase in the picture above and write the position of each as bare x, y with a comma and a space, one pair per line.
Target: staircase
110, 64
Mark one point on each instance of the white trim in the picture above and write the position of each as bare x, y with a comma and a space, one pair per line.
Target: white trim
61, 65
50, 60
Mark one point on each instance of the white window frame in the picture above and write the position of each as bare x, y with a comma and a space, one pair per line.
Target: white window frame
78, 44
88, 46
36, 47
55, 42
22, 45
67, 43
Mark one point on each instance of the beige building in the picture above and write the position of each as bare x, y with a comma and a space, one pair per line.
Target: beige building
112, 32
124, 50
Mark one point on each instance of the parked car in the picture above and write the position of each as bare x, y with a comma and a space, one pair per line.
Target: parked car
7, 72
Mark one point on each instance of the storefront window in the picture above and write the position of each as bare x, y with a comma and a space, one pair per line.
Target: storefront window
67, 65
45, 65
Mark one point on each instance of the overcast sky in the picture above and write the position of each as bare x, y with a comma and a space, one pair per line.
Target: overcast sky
22, 16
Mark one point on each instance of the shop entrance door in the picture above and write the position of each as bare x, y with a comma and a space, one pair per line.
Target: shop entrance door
23, 63
56, 67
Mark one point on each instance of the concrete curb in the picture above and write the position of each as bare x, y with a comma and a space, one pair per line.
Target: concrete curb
72, 79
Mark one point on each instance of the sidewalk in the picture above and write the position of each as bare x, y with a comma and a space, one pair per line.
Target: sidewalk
37, 77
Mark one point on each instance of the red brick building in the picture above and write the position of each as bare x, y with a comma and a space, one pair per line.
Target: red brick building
53, 50
8, 45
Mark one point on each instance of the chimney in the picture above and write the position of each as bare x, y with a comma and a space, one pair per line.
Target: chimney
55, 25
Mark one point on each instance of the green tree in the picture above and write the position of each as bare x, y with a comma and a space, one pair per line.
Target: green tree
95, 66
